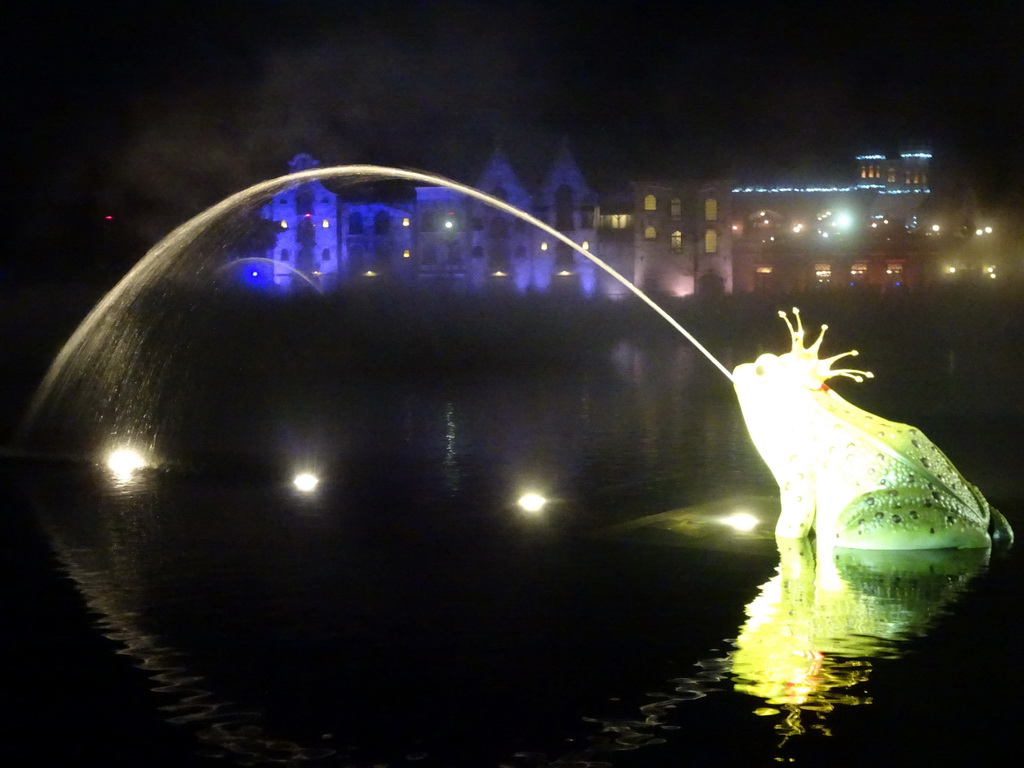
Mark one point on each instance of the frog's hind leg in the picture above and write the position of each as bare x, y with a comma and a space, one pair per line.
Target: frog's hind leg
907, 518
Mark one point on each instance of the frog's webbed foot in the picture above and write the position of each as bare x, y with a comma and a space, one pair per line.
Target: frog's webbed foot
999, 528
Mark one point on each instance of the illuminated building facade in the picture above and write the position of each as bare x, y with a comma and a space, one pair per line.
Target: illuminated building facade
435, 234
881, 228
306, 220
681, 240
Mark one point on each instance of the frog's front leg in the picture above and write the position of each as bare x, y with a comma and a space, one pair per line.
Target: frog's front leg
798, 501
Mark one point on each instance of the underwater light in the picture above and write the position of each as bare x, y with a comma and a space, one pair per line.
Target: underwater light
305, 482
124, 462
741, 521
532, 502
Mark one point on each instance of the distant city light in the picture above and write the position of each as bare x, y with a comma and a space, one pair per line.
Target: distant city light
988, 230
448, 225
844, 220
305, 482
951, 270
935, 227
532, 502
882, 189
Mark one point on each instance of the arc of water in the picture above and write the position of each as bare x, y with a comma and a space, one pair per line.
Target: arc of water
131, 283
359, 170
270, 262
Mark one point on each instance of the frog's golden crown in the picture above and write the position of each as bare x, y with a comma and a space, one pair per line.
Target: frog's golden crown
803, 362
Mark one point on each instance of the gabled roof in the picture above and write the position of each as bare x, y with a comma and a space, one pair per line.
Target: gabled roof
498, 175
565, 172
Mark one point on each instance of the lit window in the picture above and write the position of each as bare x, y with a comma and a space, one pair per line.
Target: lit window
891, 176
677, 241
284, 224
763, 269
325, 224
544, 246
823, 272
711, 241
650, 203
405, 254
711, 209
650, 233
405, 222
676, 208
585, 245
859, 269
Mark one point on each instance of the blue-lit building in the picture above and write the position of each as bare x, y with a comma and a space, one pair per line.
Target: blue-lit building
436, 235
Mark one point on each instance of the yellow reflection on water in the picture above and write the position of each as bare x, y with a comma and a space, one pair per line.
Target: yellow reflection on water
813, 629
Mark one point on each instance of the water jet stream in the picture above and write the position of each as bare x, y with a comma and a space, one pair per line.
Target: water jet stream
88, 341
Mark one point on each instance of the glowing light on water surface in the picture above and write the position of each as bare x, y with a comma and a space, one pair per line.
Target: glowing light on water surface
741, 521
124, 462
306, 482
532, 502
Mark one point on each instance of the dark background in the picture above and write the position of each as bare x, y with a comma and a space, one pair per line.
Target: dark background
150, 112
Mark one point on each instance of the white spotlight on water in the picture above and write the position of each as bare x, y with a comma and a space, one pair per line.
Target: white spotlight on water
124, 462
741, 521
306, 482
532, 502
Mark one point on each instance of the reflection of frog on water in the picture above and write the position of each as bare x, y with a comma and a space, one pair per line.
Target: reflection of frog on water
859, 480
813, 629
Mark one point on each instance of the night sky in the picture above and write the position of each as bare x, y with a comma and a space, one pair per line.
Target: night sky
155, 110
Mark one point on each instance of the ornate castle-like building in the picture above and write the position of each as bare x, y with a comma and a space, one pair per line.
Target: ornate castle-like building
670, 237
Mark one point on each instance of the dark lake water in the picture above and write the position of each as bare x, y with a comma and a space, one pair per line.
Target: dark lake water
410, 612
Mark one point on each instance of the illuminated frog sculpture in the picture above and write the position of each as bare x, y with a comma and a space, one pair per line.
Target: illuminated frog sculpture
858, 480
